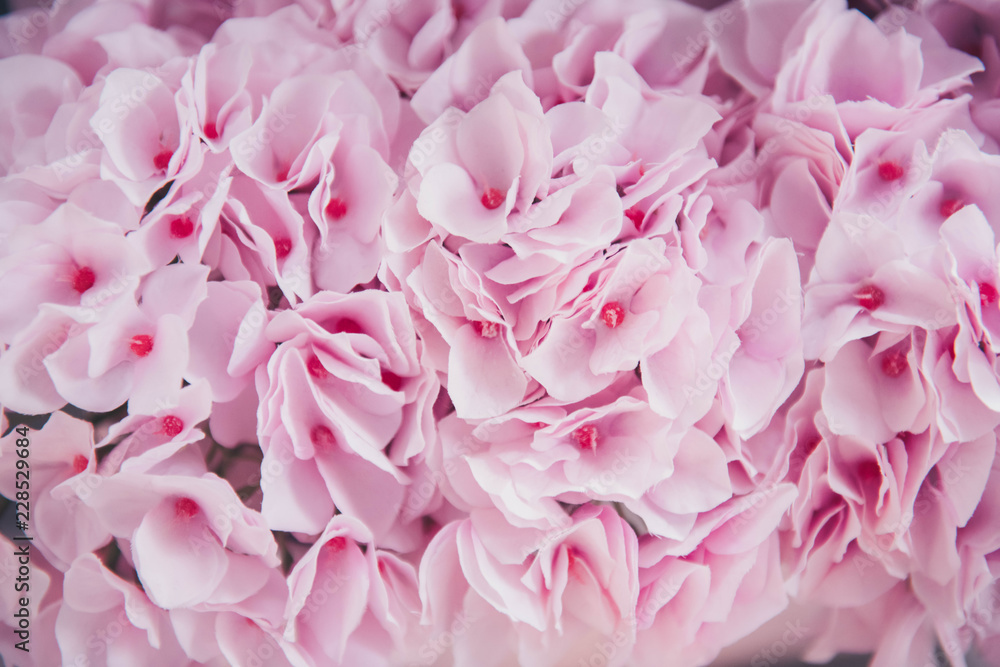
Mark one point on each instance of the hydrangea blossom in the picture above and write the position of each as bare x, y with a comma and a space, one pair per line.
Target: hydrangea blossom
500, 332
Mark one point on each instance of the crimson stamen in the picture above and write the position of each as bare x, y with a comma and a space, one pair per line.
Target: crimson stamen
493, 198
870, 297
586, 437
141, 345
612, 314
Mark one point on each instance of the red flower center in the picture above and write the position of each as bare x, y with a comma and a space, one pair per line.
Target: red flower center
334, 546
171, 426
493, 198
336, 208
141, 345
894, 363
347, 325
950, 207
79, 463
282, 246
890, 171
870, 471
870, 297
83, 279
316, 368
185, 508
586, 437
487, 329
162, 159
181, 228
612, 314
391, 380
636, 216
211, 132
575, 563
322, 437
987, 294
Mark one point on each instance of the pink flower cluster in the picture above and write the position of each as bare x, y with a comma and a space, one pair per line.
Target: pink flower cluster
502, 332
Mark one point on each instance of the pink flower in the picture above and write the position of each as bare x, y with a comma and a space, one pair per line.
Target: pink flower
915, 69
194, 543
188, 222
483, 163
870, 514
894, 627
103, 620
863, 284
356, 191
71, 258
800, 170
62, 527
754, 40
135, 353
535, 332
767, 367
635, 309
575, 590
472, 344
526, 461
409, 41
65, 275
28, 112
344, 408
346, 604
142, 441
308, 113
693, 603
698, 483
589, 578
466, 78
874, 389
227, 341
147, 142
